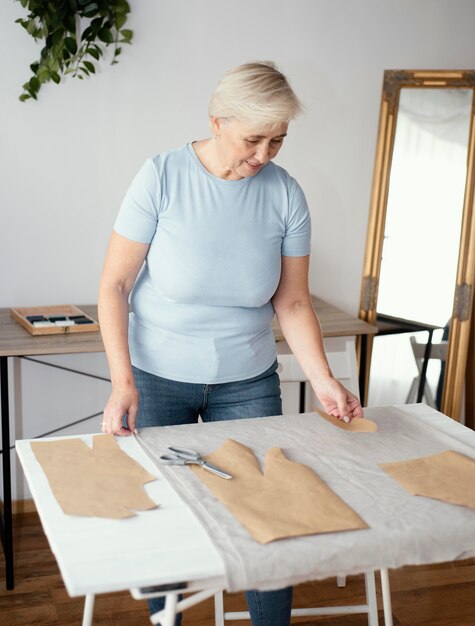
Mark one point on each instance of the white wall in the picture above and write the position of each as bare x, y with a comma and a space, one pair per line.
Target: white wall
66, 160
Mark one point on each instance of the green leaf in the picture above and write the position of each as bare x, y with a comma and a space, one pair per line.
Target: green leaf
34, 84
93, 52
34, 67
117, 51
70, 23
24, 97
36, 6
87, 34
71, 45
56, 77
127, 34
105, 35
30, 91
90, 66
84, 69
91, 9
57, 36
120, 21
31, 26
43, 74
122, 7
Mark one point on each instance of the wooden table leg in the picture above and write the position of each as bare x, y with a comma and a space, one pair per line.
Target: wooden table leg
6, 524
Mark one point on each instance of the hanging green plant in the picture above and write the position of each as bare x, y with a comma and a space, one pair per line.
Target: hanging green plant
76, 33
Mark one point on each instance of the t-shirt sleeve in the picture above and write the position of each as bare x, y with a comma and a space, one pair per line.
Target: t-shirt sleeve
138, 215
297, 238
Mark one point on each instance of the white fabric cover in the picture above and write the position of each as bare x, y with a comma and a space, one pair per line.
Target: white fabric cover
404, 529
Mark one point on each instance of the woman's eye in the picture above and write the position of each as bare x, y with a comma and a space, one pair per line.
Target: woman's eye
252, 140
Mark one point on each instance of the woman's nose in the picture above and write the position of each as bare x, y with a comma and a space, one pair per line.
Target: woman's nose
262, 153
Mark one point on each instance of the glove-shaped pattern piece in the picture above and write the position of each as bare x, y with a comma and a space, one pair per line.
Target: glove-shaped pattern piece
286, 500
100, 482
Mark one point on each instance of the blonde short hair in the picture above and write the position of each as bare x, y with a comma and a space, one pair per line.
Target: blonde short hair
255, 92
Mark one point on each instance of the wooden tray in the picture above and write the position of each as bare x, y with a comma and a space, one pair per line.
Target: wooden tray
21, 315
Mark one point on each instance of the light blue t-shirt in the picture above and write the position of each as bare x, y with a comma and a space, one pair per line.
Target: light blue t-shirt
201, 307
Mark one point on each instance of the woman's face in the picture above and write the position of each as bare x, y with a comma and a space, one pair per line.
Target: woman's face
244, 149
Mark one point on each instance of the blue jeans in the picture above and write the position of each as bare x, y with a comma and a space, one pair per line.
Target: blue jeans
164, 402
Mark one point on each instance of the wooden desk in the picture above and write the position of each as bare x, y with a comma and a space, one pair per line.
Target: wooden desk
16, 341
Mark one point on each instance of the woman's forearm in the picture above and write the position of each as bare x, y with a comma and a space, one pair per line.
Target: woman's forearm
114, 319
123, 261
301, 329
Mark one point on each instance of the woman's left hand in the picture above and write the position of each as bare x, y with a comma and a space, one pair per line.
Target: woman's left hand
336, 399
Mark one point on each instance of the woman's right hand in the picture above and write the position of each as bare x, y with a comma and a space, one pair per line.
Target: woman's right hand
123, 401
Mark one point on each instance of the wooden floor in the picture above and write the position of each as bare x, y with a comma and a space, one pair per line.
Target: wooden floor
439, 595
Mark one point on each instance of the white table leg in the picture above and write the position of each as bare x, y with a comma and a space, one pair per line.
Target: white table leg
168, 615
371, 599
88, 610
219, 609
386, 591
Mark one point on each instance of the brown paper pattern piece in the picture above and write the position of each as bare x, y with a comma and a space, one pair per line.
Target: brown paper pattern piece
100, 482
447, 476
287, 500
357, 424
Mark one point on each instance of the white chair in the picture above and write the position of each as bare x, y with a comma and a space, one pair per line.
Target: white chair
438, 351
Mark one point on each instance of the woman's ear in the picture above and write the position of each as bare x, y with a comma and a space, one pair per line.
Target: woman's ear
215, 123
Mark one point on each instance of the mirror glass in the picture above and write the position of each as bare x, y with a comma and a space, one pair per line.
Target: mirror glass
425, 205
419, 269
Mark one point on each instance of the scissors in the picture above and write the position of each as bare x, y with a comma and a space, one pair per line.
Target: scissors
185, 456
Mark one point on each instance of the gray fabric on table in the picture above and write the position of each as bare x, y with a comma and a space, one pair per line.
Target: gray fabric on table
403, 529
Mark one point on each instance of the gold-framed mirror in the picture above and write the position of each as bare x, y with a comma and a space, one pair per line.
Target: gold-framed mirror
420, 250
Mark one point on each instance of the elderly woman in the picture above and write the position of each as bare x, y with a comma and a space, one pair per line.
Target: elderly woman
225, 236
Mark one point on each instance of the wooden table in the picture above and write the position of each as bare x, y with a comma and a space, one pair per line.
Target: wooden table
16, 341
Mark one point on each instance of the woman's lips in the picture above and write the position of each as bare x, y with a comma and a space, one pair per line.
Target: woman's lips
254, 166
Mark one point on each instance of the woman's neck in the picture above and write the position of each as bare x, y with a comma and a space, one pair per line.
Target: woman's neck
209, 157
